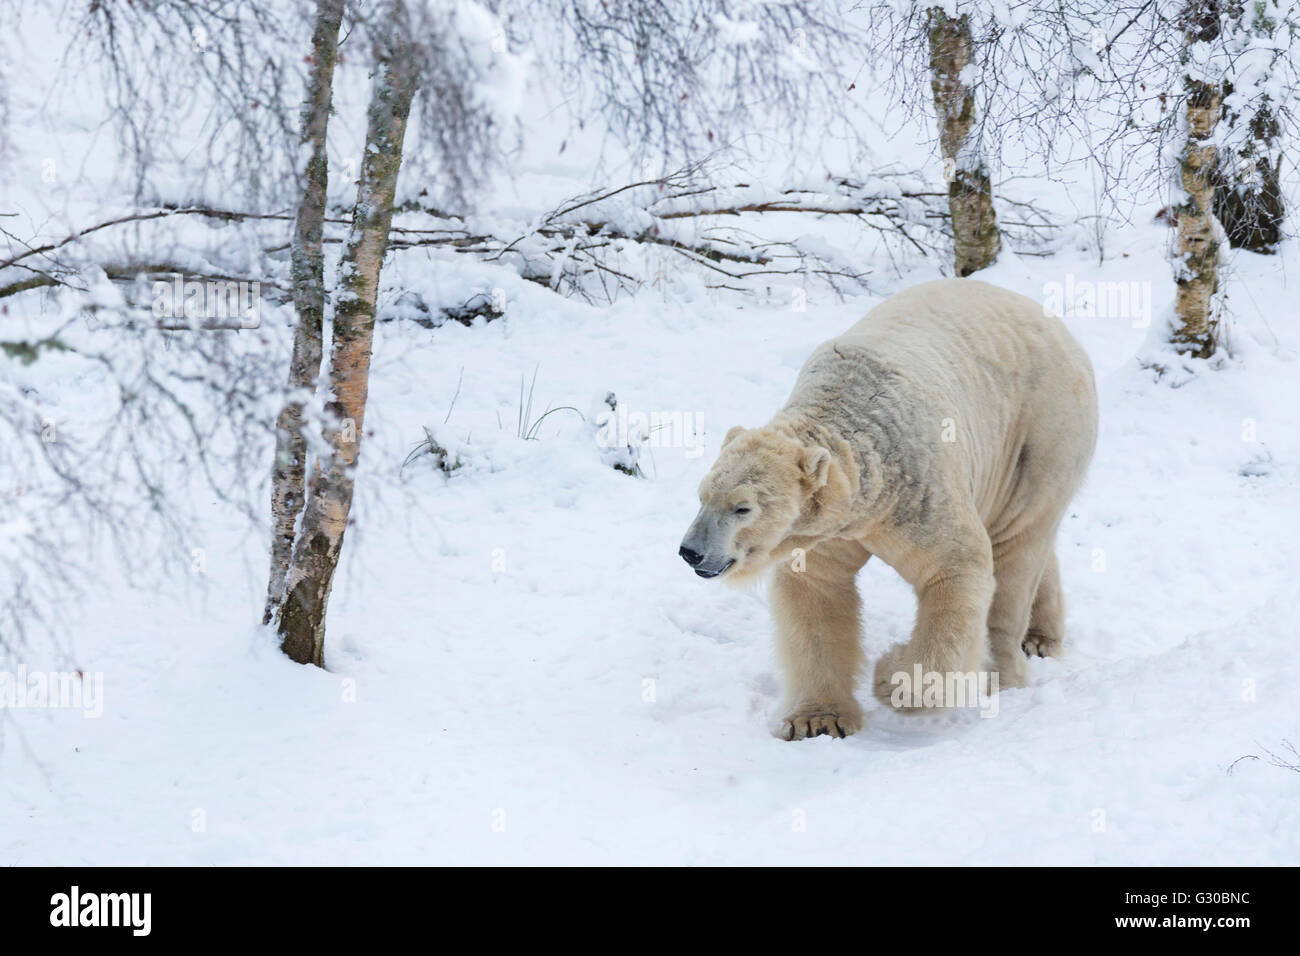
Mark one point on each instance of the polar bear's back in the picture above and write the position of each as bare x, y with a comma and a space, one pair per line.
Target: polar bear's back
984, 319
960, 334
994, 366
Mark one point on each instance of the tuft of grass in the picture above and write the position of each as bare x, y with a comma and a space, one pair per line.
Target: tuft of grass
525, 425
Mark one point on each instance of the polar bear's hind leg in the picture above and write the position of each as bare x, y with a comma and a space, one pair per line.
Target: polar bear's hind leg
1046, 634
1018, 567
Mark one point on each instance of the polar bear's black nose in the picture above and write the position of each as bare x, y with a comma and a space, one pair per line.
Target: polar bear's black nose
693, 558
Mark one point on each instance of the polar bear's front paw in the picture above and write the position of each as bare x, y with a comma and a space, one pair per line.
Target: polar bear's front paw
892, 681
896, 686
1039, 643
813, 720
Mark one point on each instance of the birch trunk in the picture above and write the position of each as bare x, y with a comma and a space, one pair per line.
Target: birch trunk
301, 621
288, 472
976, 238
1197, 265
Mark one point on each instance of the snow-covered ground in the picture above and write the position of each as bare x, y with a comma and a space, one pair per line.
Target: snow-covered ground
521, 669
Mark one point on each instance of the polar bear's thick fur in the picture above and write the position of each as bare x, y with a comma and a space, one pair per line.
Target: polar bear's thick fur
945, 433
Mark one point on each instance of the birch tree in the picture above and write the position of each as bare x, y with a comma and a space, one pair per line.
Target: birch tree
1196, 263
976, 240
300, 621
288, 476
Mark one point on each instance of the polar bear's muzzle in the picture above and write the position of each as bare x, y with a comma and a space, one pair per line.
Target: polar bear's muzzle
696, 561
701, 548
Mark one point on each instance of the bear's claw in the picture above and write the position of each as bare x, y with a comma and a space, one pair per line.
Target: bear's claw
1038, 644
803, 725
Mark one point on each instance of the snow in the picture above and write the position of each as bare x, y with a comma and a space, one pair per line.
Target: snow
523, 671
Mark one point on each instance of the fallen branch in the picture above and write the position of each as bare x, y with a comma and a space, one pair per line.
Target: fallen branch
564, 249
132, 273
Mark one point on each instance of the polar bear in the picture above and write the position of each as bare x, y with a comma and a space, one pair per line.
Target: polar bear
945, 433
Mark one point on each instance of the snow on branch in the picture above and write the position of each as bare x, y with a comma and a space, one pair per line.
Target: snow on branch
594, 245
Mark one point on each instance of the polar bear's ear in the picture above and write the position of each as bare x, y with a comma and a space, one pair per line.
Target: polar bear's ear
731, 434
816, 466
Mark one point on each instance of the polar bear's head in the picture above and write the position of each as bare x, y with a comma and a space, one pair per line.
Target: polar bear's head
752, 500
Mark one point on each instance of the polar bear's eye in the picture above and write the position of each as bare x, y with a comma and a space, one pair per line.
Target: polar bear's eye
742, 510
